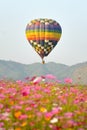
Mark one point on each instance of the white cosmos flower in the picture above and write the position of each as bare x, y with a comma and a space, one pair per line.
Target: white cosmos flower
54, 120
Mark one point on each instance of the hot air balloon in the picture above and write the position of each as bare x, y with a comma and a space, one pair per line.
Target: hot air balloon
43, 35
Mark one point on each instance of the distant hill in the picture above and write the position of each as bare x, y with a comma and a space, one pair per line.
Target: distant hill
14, 70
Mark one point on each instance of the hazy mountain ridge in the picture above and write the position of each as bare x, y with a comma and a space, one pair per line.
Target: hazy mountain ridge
15, 70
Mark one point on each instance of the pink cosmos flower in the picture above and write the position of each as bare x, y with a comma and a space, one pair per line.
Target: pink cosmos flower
1, 124
50, 76
28, 108
25, 91
19, 81
58, 81
21, 102
37, 96
48, 115
37, 80
17, 107
68, 80
70, 123
1, 106
5, 116
37, 87
23, 116
56, 110
7, 110
47, 90
76, 101
68, 114
32, 78
2, 96
27, 78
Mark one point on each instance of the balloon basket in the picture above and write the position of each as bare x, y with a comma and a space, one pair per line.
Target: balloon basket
43, 62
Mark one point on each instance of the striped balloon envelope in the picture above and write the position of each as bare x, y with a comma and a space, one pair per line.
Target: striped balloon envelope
43, 35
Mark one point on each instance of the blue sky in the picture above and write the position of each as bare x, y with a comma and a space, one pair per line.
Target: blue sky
71, 15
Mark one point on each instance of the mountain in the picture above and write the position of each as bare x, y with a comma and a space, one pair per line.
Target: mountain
14, 70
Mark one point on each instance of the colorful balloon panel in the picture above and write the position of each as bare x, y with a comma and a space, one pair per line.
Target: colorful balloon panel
43, 35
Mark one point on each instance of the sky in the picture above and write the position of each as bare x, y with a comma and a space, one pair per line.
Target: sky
70, 14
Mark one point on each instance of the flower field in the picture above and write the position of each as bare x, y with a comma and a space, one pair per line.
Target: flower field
42, 103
